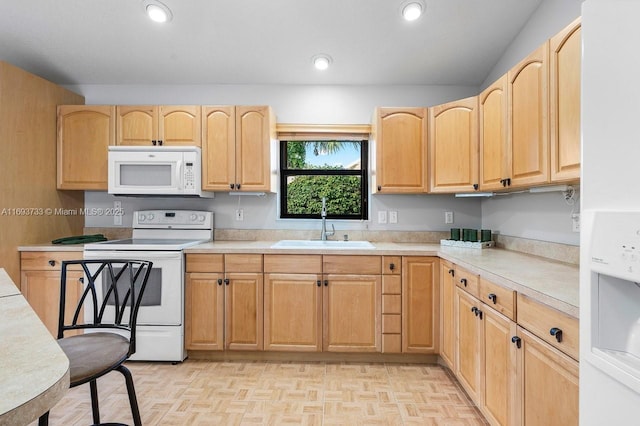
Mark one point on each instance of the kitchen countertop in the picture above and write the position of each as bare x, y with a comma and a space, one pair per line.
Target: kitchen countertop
553, 283
35, 372
52, 247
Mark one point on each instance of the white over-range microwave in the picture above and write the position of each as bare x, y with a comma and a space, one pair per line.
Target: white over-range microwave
157, 170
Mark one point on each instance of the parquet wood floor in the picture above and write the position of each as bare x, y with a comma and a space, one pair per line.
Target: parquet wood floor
200, 392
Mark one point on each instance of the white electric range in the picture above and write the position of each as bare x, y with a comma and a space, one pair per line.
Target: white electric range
159, 236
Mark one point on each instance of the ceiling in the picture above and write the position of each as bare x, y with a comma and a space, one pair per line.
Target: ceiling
455, 42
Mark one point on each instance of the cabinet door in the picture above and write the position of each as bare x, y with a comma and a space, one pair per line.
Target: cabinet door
548, 382
255, 129
498, 368
447, 313
528, 95
419, 304
565, 71
42, 291
180, 125
453, 146
136, 125
352, 313
204, 311
401, 150
293, 312
494, 147
218, 148
244, 311
84, 135
468, 343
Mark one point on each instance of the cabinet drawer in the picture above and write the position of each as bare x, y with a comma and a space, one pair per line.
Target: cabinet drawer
293, 263
202, 262
242, 263
391, 284
391, 343
47, 260
391, 265
391, 323
499, 298
467, 281
362, 265
542, 320
391, 304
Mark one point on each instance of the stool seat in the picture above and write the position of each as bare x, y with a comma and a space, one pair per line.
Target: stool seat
92, 354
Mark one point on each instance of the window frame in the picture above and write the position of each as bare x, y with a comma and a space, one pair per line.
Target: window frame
363, 172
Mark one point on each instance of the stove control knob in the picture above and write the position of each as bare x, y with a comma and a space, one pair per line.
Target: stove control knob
201, 218
141, 218
150, 217
192, 217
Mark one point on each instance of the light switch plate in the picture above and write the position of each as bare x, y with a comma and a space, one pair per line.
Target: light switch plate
393, 216
448, 217
382, 216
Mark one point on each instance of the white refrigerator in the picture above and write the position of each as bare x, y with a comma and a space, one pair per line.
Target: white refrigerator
610, 205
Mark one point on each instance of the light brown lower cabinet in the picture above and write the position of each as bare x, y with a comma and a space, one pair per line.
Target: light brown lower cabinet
40, 286
204, 312
486, 365
352, 313
547, 383
447, 314
293, 312
224, 311
420, 313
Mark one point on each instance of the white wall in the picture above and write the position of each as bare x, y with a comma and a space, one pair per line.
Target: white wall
544, 216
291, 104
415, 212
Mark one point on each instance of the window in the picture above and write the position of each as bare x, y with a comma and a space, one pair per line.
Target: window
313, 169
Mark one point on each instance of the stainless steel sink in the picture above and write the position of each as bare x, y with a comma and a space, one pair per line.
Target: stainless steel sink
332, 244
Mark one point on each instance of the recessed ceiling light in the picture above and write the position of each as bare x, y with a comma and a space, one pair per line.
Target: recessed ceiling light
157, 11
412, 10
321, 62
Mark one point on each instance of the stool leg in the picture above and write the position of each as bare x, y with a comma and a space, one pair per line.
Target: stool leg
94, 402
44, 419
135, 412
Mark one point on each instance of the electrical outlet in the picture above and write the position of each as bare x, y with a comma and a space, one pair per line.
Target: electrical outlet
117, 213
239, 215
382, 216
448, 217
575, 220
393, 216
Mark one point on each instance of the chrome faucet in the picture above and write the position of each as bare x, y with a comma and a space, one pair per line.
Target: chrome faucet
323, 214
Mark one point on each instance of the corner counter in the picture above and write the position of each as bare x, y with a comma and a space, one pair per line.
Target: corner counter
552, 283
35, 371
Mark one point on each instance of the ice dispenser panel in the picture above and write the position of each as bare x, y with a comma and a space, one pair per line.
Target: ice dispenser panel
615, 296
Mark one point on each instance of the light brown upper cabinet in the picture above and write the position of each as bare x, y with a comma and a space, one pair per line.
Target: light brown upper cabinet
400, 137
236, 149
453, 146
494, 146
159, 125
84, 135
565, 70
528, 134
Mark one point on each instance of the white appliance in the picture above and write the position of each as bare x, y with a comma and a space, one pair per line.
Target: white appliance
610, 214
156, 170
160, 237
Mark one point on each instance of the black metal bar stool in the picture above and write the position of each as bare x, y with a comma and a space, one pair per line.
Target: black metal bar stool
106, 314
